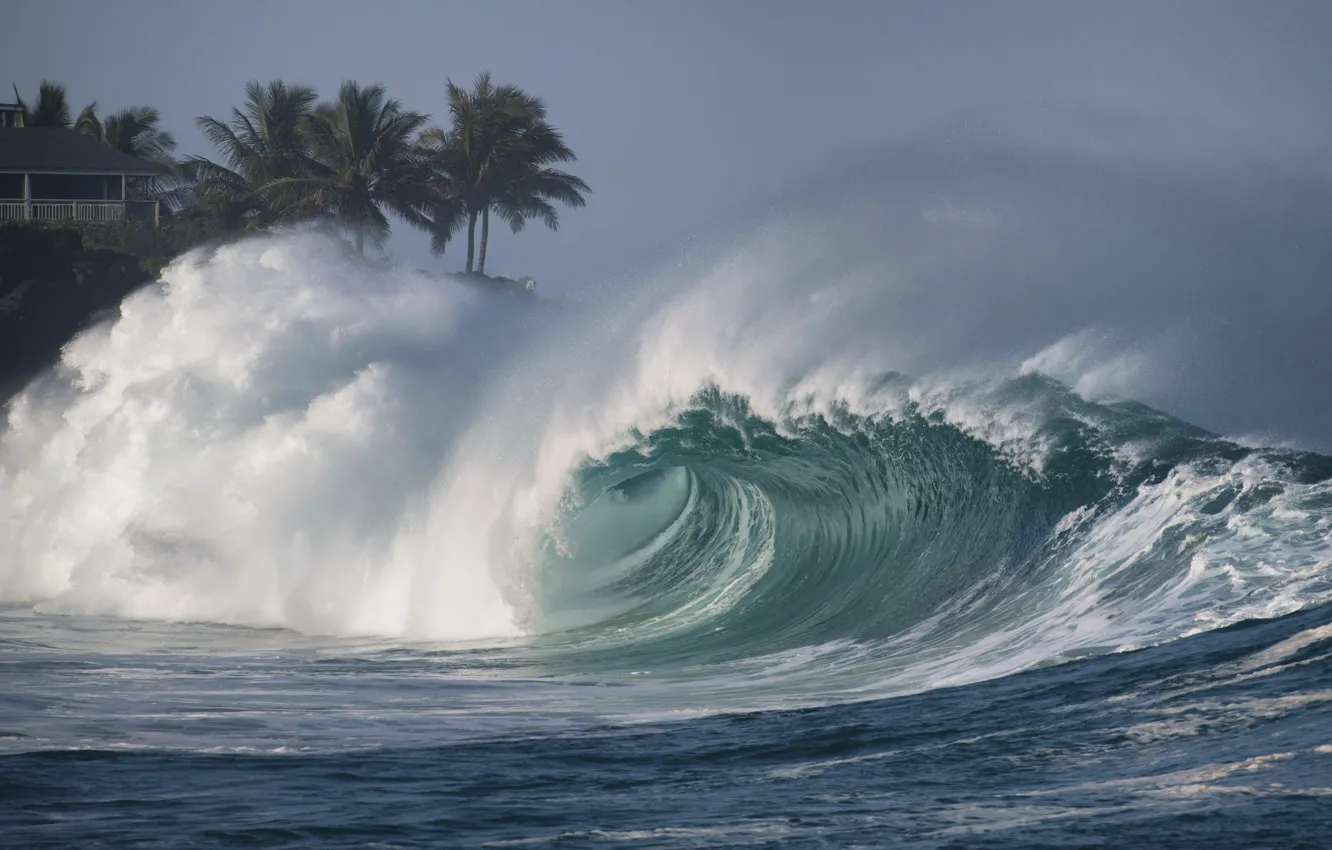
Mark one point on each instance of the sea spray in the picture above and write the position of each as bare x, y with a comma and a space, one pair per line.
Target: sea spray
251, 442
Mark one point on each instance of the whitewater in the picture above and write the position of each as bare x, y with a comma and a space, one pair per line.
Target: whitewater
746, 551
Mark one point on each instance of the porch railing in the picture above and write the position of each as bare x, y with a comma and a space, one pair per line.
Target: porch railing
50, 210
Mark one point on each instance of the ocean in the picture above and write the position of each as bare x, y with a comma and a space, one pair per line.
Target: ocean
301, 553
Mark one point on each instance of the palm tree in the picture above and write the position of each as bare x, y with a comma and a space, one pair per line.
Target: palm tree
50, 110
446, 208
263, 143
524, 188
363, 160
136, 131
495, 157
464, 155
88, 123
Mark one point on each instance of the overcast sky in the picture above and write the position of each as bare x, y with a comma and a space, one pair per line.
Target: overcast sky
684, 111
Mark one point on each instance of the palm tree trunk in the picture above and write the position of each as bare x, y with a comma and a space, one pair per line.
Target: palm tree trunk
360, 242
471, 239
485, 239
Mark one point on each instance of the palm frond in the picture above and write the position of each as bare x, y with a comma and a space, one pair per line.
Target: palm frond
51, 109
88, 123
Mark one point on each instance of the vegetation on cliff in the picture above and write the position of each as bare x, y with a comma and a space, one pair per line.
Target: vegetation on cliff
353, 163
350, 164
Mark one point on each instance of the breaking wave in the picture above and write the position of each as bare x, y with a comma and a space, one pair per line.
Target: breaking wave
718, 470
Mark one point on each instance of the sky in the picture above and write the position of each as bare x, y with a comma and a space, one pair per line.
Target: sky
692, 117
686, 113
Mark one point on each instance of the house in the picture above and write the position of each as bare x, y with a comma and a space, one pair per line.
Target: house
54, 174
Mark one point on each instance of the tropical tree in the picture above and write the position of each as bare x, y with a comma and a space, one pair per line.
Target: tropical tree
263, 143
467, 154
496, 157
358, 160
51, 109
136, 131
525, 188
362, 163
88, 123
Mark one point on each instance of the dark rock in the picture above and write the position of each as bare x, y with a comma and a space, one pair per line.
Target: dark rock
524, 288
13, 299
50, 289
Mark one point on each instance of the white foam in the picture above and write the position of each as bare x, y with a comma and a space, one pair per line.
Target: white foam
248, 443
276, 436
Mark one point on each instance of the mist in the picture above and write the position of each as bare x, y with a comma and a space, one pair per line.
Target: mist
1129, 258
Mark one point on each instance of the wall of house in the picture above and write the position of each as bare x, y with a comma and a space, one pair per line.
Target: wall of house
11, 186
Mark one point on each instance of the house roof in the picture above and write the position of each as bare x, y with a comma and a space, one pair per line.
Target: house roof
52, 150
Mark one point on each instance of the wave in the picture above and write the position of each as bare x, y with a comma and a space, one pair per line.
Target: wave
922, 551
716, 474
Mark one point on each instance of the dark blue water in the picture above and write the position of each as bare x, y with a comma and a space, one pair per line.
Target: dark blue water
1219, 740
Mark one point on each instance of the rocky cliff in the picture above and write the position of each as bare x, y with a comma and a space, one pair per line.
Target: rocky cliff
50, 289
